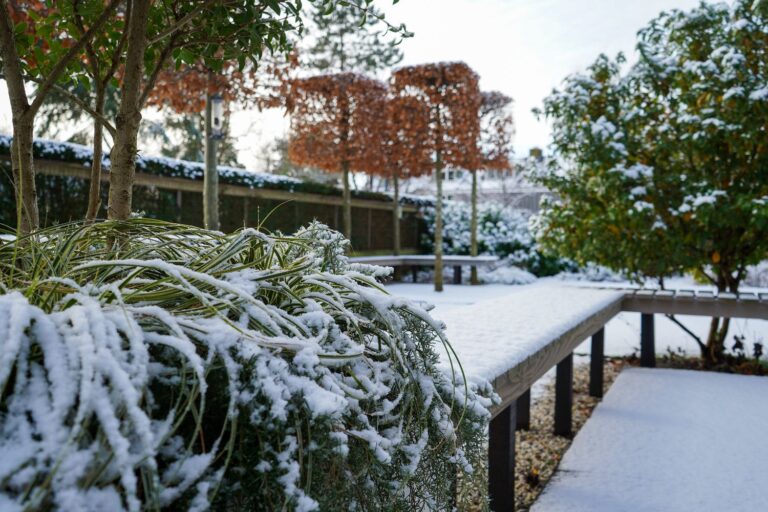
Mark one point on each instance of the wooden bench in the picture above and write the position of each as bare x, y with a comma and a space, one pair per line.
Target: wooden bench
512, 341
427, 260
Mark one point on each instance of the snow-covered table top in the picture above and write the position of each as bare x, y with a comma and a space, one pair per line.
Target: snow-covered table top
669, 440
512, 340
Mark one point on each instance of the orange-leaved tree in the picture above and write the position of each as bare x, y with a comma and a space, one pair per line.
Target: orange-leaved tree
407, 152
336, 126
495, 146
450, 89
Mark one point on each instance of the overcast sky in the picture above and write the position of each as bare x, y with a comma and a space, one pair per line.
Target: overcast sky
523, 48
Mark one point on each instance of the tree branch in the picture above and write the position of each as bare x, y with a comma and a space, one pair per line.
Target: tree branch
180, 23
11, 64
150, 84
82, 104
687, 331
61, 66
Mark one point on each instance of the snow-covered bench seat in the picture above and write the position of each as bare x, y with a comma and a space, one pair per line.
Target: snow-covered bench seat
513, 340
428, 260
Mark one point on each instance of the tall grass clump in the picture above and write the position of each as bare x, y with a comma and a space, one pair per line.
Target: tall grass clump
150, 366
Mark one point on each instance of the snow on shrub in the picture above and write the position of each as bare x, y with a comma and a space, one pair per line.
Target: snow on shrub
147, 365
757, 275
502, 231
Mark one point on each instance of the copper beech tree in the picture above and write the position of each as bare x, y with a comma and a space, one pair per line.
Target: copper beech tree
451, 92
407, 153
495, 146
336, 127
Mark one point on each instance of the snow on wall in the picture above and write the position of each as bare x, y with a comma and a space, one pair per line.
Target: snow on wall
172, 168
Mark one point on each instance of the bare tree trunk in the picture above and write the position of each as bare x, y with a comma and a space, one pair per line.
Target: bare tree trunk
396, 210
94, 190
24, 112
396, 214
28, 218
347, 200
123, 156
473, 228
211, 173
714, 352
439, 222
23, 128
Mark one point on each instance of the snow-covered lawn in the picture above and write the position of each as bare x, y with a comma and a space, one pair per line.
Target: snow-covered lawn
670, 440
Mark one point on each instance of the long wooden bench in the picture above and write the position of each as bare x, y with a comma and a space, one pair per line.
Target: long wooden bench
427, 260
513, 341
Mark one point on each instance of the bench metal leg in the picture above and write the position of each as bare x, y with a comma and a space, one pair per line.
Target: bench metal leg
647, 342
596, 364
524, 411
457, 274
415, 273
564, 396
501, 460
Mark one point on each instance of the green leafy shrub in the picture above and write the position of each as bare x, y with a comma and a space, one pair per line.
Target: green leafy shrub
662, 167
150, 366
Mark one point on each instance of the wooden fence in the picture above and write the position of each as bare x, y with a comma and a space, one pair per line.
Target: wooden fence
62, 191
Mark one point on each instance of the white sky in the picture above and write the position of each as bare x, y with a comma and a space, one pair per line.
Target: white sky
523, 48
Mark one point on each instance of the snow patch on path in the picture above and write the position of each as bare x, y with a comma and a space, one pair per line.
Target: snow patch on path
671, 440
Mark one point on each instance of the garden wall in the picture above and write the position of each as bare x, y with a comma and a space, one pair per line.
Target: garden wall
172, 190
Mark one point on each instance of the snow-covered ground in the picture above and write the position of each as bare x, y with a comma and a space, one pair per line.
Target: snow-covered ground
669, 440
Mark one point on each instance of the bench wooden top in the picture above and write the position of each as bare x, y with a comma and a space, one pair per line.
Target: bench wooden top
513, 340
427, 260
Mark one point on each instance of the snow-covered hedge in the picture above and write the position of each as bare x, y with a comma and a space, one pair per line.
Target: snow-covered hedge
146, 365
502, 231
172, 168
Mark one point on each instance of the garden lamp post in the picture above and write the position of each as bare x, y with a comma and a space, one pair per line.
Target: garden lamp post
214, 116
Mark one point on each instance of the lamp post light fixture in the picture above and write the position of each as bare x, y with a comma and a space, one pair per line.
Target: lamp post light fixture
217, 117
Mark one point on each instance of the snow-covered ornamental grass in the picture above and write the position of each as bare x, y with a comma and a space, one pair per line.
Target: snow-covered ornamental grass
154, 366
